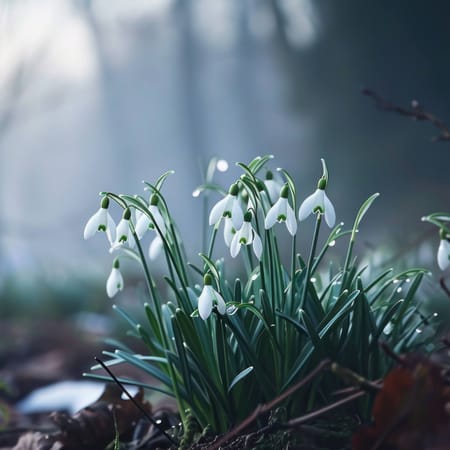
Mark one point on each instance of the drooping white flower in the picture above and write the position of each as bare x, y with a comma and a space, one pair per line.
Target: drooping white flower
318, 202
228, 231
229, 206
101, 221
208, 298
273, 187
114, 284
282, 211
123, 232
155, 248
443, 254
144, 223
246, 235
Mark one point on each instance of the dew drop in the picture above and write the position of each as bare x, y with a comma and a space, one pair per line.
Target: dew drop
332, 243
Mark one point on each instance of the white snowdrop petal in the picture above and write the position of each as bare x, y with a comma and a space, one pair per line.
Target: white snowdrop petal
291, 221
205, 302
218, 209
92, 224
246, 233
221, 306
114, 283
273, 189
237, 215
330, 215
142, 226
309, 204
110, 227
155, 247
257, 246
272, 215
235, 245
228, 231
158, 219
443, 254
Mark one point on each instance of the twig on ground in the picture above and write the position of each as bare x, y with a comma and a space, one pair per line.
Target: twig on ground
318, 412
355, 379
125, 391
415, 112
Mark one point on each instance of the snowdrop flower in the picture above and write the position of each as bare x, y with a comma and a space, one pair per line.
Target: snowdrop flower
114, 284
246, 235
228, 231
281, 211
155, 247
229, 206
209, 297
101, 221
144, 223
123, 232
443, 254
318, 202
273, 187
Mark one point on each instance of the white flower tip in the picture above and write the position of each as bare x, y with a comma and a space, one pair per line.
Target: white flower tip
87, 234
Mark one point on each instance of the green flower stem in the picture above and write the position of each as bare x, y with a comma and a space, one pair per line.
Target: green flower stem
311, 259
151, 287
293, 265
248, 260
211, 242
180, 255
348, 257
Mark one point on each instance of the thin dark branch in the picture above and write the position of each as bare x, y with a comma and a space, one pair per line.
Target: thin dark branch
415, 112
138, 406
355, 379
260, 409
318, 412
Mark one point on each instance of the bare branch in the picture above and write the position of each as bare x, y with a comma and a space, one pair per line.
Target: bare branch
415, 112
260, 409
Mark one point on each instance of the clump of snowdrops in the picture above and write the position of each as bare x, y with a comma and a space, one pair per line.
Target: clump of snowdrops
222, 346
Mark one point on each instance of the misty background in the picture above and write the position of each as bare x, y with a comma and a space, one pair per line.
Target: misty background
98, 95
